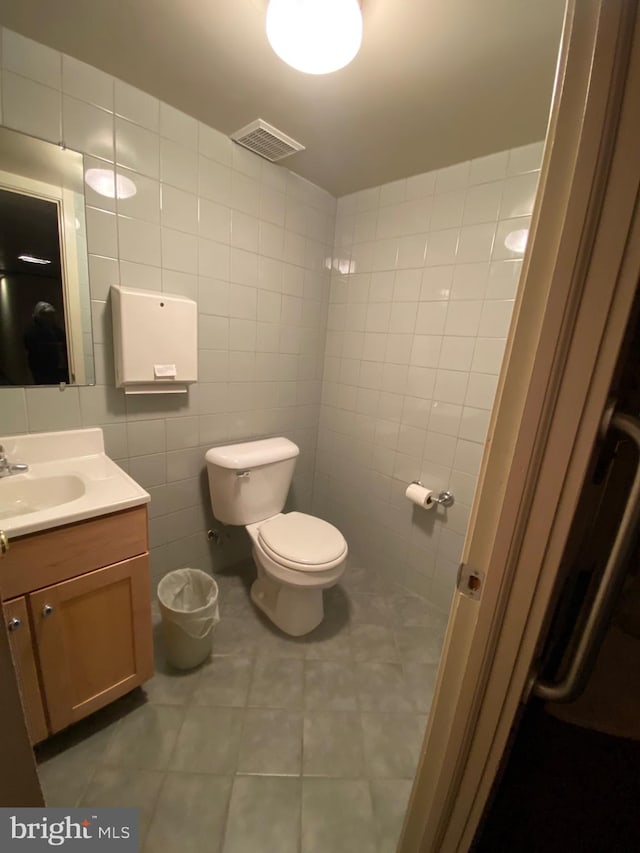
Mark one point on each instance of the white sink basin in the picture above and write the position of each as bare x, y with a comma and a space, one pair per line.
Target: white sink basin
70, 478
23, 493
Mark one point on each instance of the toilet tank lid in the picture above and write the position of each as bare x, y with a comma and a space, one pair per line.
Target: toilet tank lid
250, 454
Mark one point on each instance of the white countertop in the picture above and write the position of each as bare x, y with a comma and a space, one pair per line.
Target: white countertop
62, 465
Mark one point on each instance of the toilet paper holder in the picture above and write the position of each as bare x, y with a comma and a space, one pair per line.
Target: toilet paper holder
445, 498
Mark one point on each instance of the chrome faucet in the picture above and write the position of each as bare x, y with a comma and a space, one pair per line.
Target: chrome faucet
7, 468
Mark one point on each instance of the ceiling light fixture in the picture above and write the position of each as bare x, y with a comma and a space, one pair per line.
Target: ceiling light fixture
315, 36
105, 183
31, 259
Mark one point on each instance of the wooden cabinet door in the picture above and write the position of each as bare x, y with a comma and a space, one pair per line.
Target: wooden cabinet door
93, 635
20, 641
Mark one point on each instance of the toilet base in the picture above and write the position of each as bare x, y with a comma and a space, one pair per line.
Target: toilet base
295, 610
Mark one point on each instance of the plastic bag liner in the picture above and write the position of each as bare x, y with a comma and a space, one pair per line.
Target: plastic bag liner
189, 598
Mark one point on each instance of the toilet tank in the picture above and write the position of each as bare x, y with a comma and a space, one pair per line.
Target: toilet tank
249, 482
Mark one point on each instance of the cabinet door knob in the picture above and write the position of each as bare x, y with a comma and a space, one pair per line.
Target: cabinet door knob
14, 624
47, 610
4, 542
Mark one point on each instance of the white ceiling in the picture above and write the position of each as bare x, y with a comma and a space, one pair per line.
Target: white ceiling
436, 81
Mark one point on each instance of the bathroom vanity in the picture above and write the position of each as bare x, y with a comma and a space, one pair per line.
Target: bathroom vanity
76, 596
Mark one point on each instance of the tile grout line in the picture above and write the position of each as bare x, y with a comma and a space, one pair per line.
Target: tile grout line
86, 786
143, 844
225, 823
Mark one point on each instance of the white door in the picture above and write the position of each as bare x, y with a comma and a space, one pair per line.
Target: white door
578, 283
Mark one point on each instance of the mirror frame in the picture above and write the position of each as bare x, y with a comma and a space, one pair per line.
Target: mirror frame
74, 261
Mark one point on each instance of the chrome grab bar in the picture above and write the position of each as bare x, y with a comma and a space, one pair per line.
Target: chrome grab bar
573, 682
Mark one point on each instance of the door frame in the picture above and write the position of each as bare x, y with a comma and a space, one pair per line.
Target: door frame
578, 284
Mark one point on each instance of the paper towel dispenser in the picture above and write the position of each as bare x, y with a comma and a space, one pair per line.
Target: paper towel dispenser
155, 341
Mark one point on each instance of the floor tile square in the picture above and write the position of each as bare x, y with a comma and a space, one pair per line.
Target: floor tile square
224, 681
209, 741
145, 738
271, 742
276, 644
390, 799
332, 744
235, 636
236, 601
373, 642
190, 814
368, 609
392, 744
277, 683
382, 687
67, 761
423, 645
264, 815
421, 680
119, 787
330, 685
413, 611
337, 816
362, 579
329, 641
171, 686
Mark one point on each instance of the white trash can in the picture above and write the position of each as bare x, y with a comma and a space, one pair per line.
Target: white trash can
188, 601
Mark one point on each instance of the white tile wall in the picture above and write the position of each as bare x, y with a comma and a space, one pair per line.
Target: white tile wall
421, 299
412, 333
246, 238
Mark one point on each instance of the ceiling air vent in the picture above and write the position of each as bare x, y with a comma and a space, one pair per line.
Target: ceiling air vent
266, 140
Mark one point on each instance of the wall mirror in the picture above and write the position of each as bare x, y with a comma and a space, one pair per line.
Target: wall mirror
45, 308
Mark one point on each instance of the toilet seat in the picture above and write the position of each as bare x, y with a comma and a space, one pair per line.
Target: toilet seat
302, 542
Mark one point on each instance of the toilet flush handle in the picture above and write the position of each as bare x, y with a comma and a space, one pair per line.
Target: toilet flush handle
243, 474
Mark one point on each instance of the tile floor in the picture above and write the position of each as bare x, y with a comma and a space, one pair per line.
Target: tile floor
275, 745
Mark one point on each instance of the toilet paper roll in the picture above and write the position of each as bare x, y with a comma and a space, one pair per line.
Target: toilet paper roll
420, 495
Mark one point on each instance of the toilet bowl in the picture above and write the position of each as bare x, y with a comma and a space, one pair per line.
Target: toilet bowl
296, 555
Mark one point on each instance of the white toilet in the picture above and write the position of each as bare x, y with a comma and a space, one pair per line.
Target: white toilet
297, 555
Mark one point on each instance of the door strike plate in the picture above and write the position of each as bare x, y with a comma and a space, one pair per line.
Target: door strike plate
470, 582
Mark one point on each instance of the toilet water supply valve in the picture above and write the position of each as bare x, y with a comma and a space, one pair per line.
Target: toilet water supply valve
218, 537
